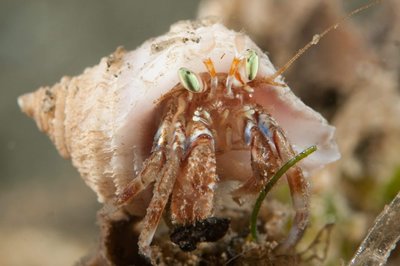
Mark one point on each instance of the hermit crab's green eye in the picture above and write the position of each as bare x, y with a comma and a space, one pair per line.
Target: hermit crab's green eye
190, 80
251, 64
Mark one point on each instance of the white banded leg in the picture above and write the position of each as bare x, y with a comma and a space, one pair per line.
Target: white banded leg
163, 188
264, 161
193, 196
298, 185
153, 164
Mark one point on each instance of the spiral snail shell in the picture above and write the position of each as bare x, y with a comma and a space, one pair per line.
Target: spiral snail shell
104, 120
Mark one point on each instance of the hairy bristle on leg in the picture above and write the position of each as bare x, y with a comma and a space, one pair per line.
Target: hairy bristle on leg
264, 162
297, 183
193, 195
152, 165
165, 182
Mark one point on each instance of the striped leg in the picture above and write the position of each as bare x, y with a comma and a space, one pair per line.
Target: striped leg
163, 189
152, 166
193, 195
264, 161
297, 183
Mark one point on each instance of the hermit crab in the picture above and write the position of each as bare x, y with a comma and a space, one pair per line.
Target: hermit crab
160, 130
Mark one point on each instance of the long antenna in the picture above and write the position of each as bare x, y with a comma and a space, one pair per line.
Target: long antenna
316, 38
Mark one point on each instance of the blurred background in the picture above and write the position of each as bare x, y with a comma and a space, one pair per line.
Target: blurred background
48, 214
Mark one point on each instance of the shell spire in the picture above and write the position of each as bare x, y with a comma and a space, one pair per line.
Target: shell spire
46, 107
76, 114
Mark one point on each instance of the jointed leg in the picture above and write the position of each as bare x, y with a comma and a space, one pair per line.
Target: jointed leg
193, 195
153, 165
161, 192
264, 161
162, 167
163, 187
151, 168
297, 183
269, 150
